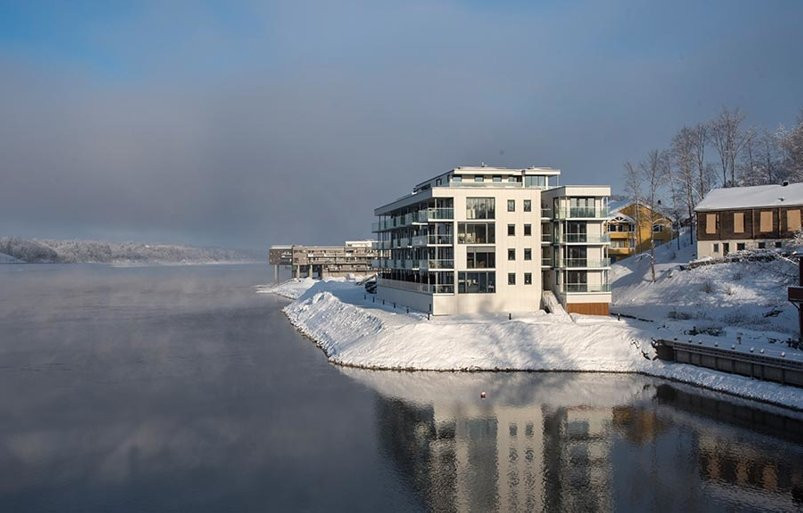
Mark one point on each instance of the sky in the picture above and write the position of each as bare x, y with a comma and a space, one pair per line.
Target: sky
245, 124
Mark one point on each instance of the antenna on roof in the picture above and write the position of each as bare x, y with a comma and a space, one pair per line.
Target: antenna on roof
482, 164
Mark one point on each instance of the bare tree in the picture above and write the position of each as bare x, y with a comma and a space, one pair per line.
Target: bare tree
728, 139
633, 192
684, 173
655, 173
792, 144
705, 175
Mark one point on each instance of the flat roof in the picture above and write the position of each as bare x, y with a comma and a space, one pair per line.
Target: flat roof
476, 170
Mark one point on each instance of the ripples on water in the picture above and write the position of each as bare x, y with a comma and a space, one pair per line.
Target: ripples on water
177, 389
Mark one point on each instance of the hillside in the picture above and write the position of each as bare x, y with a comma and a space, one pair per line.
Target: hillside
76, 251
739, 298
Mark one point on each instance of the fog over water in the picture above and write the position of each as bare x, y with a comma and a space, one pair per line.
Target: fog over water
253, 123
181, 389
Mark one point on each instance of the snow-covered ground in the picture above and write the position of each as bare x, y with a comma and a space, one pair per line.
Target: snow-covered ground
8, 259
355, 330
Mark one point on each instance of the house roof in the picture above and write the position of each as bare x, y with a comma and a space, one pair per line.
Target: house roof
753, 197
615, 208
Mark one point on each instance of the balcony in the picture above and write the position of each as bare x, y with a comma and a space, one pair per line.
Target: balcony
581, 213
584, 288
434, 214
546, 238
546, 213
425, 288
546, 261
586, 263
432, 240
436, 264
584, 238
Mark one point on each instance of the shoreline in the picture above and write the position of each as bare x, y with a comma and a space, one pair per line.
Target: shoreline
322, 313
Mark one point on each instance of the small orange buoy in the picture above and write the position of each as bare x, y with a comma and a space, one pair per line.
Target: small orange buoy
482, 395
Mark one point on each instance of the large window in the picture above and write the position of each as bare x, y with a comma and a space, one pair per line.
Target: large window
483, 282
535, 181
480, 208
476, 233
481, 257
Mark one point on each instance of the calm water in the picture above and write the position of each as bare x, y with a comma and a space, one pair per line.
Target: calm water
180, 389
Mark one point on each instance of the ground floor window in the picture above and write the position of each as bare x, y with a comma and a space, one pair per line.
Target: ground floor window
740, 246
762, 245
476, 282
716, 247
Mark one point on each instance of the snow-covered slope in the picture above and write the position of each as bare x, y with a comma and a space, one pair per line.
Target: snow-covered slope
8, 259
744, 299
355, 330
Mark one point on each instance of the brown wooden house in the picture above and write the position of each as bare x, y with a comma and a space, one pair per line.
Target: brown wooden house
743, 218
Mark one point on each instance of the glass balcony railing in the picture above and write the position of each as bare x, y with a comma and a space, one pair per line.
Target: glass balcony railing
581, 213
546, 213
439, 213
546, 262
585, 238
546, 238
436, 264
575, 288
587, 263
426, 288
428, 240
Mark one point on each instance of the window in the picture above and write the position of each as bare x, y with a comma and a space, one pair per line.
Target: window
726, 248
511, 278
716, 248
528, 206
438, 181
512, 179
740, 246
528, 278
475, 233
497, 179
710, 223
528, 229
777, 244
528, 254
511, 229
657, 228
762, 245
511, 254
765, 221
457, 178
480, 208
479, 179
792, 220
535, 181
738, 222
511, 205
481, 257
483, 282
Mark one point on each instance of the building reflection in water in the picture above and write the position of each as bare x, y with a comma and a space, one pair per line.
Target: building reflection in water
601, 454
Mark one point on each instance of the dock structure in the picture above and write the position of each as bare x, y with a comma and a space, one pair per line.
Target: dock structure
354, 257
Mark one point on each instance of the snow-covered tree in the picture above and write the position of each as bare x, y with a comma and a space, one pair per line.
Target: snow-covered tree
728, 138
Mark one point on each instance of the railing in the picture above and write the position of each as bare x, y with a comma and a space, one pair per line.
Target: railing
487, 183
546, 213
424, 240
585, 238
575, 288
581, 212
439, 213
587, 263
426, 288
381, 244
546, 261
546, 238
436, 264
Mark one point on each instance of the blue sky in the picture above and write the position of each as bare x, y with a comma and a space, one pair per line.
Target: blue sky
249, 123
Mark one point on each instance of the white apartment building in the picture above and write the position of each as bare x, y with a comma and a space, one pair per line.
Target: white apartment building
489, 239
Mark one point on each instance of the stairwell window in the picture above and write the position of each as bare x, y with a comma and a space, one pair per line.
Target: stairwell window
511, 254
528, 254
511, 230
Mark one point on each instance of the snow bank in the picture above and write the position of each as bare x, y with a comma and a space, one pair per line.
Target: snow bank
353, 330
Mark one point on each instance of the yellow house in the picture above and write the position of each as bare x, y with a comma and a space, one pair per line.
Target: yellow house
621, 225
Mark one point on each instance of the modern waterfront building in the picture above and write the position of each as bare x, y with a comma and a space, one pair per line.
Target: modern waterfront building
489, 239
741, 218
353, 257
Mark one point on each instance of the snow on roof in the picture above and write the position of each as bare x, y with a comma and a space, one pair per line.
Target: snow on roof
753, 197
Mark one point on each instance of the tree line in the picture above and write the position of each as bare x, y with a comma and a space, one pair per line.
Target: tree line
722, 152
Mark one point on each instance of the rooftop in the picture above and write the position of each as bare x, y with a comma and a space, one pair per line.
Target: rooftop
753, 197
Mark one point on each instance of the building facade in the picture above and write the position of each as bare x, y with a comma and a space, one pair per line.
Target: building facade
354, 257
633, 227
487, 239
747, 218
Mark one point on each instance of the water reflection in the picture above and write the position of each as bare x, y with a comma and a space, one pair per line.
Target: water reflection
564, 442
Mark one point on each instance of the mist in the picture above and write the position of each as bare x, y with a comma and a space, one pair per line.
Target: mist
284, 122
